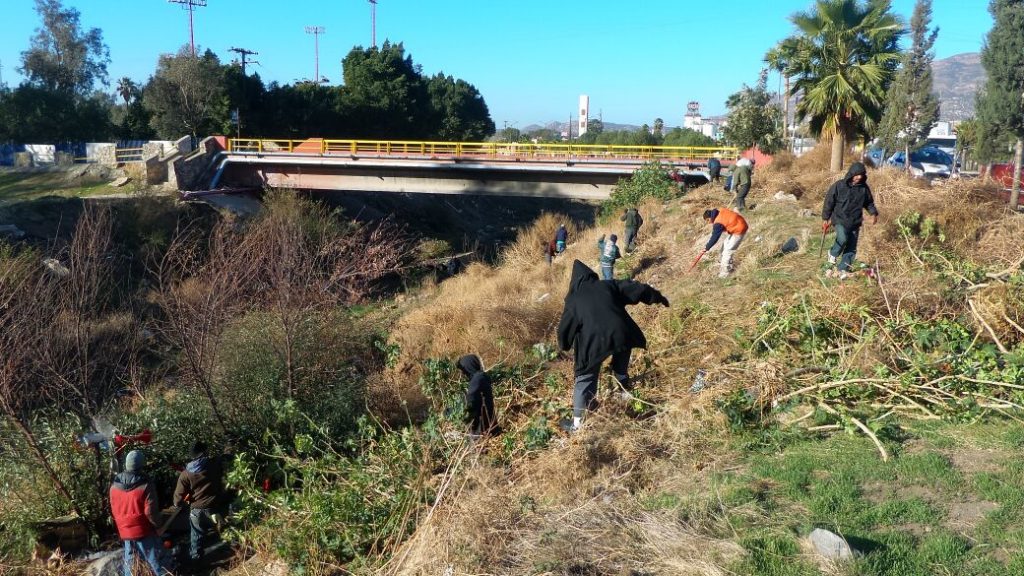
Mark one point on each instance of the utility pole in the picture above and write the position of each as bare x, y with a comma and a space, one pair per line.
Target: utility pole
373, 23
190, 6
316, 31
243, 55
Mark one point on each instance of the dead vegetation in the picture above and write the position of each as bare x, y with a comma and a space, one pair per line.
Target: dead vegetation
777, 339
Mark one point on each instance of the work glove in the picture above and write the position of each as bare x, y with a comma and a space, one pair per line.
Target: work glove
825, 225
660, 299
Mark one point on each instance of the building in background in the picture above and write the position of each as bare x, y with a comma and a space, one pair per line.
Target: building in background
710, 127
584, 114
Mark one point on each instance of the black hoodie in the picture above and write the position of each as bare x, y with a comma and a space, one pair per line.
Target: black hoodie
595, 321
479, 396
845, 202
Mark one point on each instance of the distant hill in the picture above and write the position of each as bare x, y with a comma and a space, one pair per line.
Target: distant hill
957, 79
561, 127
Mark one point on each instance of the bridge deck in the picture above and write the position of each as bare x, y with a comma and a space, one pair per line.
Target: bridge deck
494, 151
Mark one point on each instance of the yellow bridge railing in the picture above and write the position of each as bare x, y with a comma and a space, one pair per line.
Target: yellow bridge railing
496, 150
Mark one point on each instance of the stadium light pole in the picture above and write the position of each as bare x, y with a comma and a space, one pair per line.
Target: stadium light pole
316, 31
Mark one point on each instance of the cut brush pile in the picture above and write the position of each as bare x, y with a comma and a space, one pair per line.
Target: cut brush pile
930, 327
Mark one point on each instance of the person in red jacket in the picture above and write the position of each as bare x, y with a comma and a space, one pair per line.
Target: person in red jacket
136, 514
733, 226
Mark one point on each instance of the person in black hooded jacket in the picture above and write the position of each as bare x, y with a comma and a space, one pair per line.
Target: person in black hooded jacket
479, 396
596, 325
845, 203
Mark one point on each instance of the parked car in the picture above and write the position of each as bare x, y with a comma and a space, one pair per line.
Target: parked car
875, 157
927, 162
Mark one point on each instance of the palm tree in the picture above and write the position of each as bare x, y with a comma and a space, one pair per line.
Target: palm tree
127, 89
845, 55
781, 59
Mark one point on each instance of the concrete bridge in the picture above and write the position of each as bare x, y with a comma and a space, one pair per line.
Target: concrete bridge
562, 170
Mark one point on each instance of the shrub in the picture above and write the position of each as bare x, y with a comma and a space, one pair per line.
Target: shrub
325, 507
317, 360
650, 180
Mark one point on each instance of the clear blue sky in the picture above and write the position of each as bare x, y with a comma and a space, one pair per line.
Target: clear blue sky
529, 58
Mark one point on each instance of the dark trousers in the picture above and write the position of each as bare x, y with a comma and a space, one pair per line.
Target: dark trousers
741, 197
845, 247
480, 404
585, 389
630, 234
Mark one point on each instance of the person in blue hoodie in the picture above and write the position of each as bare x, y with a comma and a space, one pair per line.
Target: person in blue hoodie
561, 237
200, 486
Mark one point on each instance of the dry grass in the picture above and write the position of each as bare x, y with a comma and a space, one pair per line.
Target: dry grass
577, 507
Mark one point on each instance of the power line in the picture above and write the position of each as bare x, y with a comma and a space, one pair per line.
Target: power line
243, 54
190, 6
316, 31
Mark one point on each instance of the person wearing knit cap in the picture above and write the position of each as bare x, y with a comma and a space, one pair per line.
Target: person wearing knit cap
136, 513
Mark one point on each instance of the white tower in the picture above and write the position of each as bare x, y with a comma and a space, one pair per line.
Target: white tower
692, 119
584, 114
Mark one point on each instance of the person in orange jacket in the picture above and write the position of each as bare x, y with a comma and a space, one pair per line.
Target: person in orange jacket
734, 226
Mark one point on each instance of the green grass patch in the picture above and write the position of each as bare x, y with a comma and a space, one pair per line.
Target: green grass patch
15, 186
895, 514
773, 555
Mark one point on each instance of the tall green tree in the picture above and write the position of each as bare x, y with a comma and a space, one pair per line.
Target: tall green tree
63, 56
385, 95
128, 90
1001, 103
912, 107
782, 58
459, 111
687, 137
186, 95
846, 52
754, 118
659, 127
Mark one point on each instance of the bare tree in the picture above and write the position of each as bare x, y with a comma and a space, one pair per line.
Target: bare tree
297, 262
22, 328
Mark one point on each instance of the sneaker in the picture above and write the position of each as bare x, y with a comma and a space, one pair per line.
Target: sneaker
843, 275
626, 396
570, 425
831, 259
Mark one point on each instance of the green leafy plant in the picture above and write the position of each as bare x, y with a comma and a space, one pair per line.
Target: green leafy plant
651, 180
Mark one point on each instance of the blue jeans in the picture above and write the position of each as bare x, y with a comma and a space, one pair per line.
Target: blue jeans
845, 247
149, 549
608, 272
200, 527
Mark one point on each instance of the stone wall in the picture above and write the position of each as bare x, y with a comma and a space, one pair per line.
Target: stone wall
188, 172
105, 154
